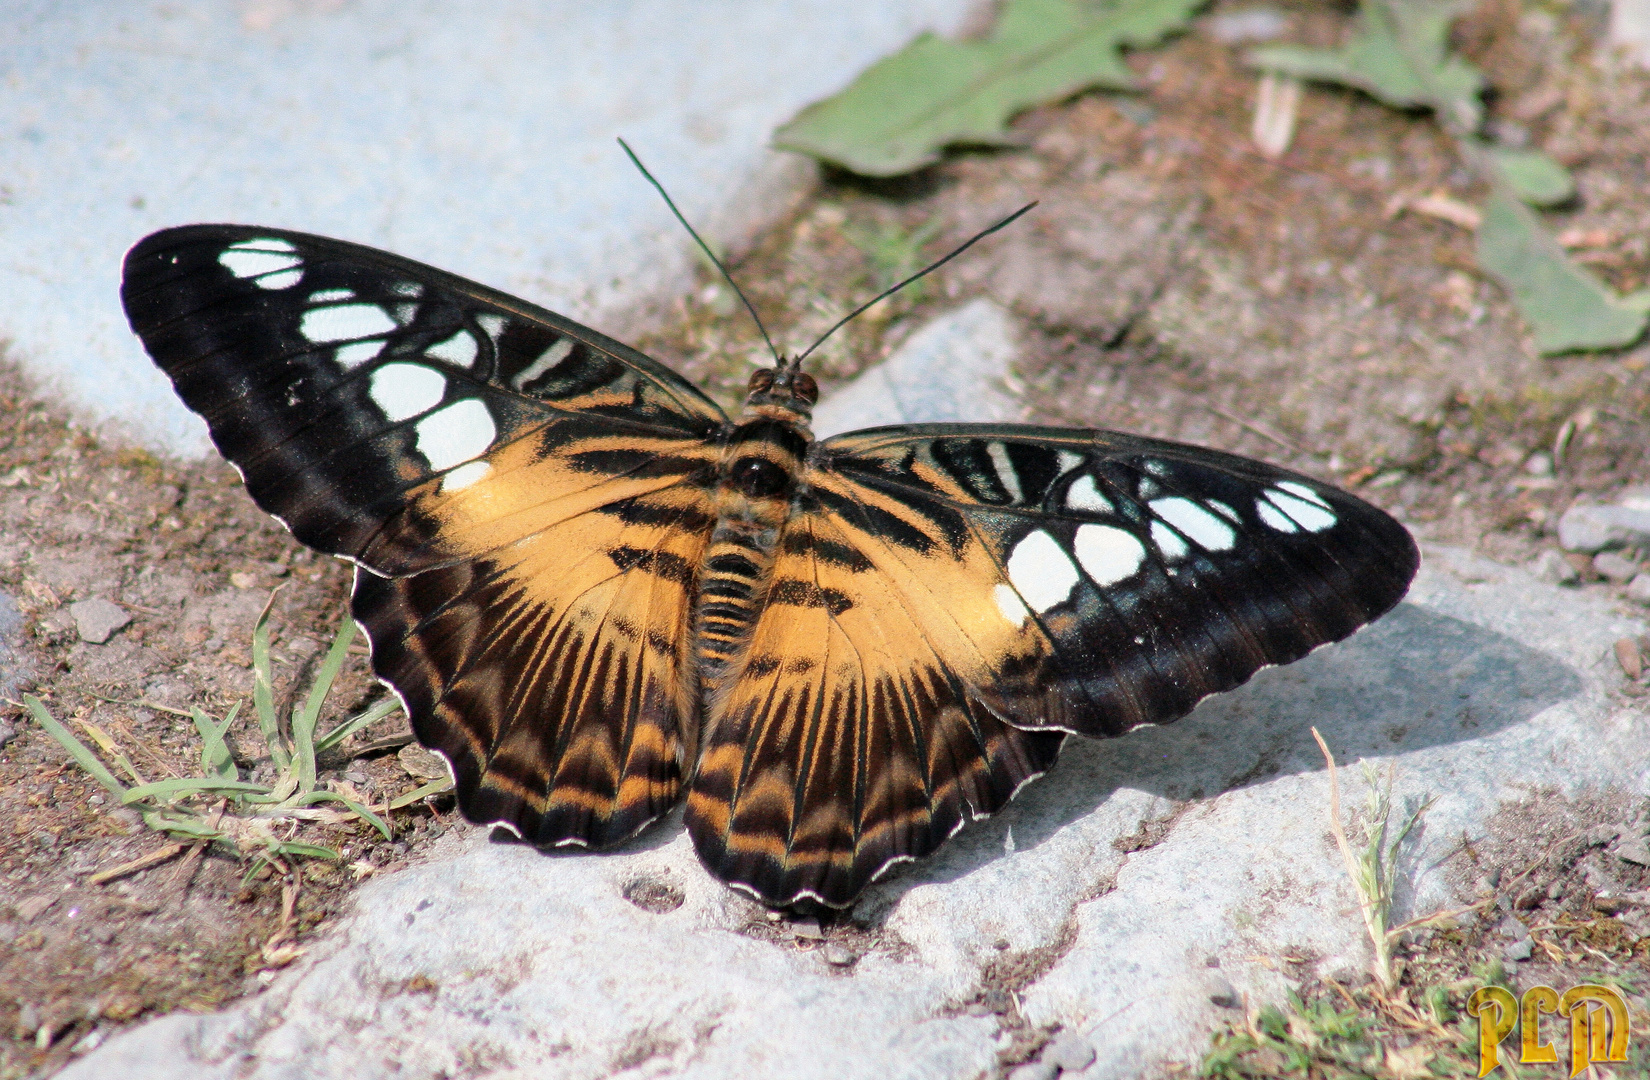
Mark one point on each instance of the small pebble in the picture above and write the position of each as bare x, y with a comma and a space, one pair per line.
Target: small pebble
1638, 590
1035, 1070
1629, 657
1633, 851
1553, 568
96, 620
1615, 567
807, 929
1225, 995
1599, 835
838, 954
1519, 950
1070, 1052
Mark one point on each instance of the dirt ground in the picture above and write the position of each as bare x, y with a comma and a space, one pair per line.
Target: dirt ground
1173, 281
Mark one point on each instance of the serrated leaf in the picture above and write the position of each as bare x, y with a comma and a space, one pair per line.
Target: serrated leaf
1398, 54
904, 110
1567, 308
1533, 176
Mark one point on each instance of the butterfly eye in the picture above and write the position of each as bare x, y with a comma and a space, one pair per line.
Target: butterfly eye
761, 380
804, 387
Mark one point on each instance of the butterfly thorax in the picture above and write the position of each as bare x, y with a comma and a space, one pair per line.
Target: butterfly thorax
758, 480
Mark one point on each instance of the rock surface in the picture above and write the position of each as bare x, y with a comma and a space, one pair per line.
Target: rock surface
1125, 896
96, 620
482, 144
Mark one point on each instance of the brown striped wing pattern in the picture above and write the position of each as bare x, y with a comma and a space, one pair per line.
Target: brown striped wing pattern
948, 600
526, 502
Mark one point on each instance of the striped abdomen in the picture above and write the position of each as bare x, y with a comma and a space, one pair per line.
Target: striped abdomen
756, 483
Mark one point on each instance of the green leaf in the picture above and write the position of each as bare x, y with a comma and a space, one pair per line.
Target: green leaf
193, 828
287, 847
904, 110
263, 689
1533, 176
216, 760
356, 723
1398, 54
303, 721
356, 808
434, 787
188, 785
78, 750
1567, 308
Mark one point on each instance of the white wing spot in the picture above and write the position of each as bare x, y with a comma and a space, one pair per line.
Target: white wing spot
1209, 531
1040, 571
405, 390
325, 295
465, 475
1224, 511
1069, 460
1148, 488
1009, 603
1274, 517
357, 353
1005, 471
344, 322
408, 288
456, 434
1083, 495
1108, 555
1301, 491
548, 359
1168, 541
272, 262
492, 323
1311, 516
286, 279
405, 313
459, 349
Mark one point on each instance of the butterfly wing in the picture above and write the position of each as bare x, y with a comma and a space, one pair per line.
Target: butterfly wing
526, 500
949, 599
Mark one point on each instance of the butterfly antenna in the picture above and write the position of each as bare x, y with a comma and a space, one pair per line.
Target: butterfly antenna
660, 188
976, 238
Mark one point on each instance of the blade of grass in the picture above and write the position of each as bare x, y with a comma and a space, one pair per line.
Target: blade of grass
1380, 966
111, 748
287, 847
356, 808
303, 721
263, 688
434, 787
356, 723
193, 828
189, 785
216, 760
78, 750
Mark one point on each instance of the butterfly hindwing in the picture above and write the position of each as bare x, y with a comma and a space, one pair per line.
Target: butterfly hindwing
527, 501
946, 594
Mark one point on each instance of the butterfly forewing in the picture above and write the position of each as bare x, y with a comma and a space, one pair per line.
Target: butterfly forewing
528, 501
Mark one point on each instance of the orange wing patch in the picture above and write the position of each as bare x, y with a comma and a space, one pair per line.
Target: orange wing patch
865, 719
552, 667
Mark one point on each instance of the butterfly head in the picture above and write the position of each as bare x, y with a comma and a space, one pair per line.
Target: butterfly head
782, 389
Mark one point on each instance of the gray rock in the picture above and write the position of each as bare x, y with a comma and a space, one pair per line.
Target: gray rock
542, 961
1635, 850
1615, 567
1553, 568
1042, 1069
1247, 24
260, 110
950, 370
97, 619
1070, 1052
15, 670
1638, 590
839, 955
1521, 949
1594, 528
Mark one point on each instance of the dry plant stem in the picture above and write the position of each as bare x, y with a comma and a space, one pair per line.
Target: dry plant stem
1381, 964
144, 862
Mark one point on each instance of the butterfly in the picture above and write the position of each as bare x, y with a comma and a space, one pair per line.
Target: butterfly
597, 595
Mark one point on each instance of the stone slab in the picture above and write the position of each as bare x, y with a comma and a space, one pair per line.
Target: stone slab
492, 960
482, 144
